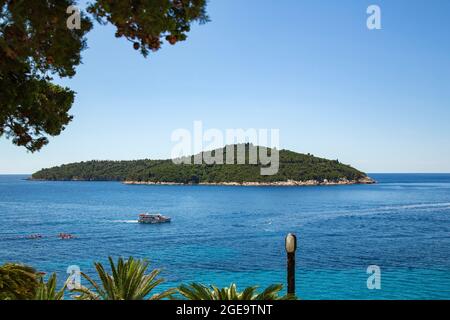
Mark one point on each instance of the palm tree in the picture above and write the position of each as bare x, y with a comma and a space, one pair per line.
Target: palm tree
18, 282
197, 291
47, 291
128, 281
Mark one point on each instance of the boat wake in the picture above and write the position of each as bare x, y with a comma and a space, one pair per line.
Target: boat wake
125, 221
395, 209
444, 205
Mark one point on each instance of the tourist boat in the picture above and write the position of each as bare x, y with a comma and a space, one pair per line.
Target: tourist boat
148, 218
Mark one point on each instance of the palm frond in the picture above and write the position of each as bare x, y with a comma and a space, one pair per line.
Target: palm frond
18, 282
197, 291
48, 291
128, 280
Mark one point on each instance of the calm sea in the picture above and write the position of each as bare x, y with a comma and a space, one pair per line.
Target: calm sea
221, 235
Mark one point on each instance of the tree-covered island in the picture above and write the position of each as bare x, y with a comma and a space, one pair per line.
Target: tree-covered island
294, 169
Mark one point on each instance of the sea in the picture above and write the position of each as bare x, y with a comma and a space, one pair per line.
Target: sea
399, 227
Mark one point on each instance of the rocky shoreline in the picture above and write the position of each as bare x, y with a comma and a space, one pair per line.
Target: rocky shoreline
288, 183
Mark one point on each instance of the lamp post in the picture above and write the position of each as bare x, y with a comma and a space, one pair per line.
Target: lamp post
291, 246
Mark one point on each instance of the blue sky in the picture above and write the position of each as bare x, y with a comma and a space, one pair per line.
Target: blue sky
378, 100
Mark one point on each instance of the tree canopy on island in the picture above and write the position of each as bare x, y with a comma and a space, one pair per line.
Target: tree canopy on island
293, 166
37, 45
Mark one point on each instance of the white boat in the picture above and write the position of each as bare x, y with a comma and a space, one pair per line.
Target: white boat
148, 218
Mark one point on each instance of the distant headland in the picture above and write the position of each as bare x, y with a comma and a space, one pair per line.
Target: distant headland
295, 169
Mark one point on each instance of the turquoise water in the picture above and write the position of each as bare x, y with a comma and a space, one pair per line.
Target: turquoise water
236, 234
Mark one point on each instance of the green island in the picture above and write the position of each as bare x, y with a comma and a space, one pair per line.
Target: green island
294, 169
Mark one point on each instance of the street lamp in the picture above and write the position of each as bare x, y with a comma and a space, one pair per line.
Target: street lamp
291, 246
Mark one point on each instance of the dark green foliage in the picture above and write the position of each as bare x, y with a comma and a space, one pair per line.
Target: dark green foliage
293, 166
36, 45
147, 23
18, 282
126, 280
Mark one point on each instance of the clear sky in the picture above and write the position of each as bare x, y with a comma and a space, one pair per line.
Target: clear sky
378, 100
